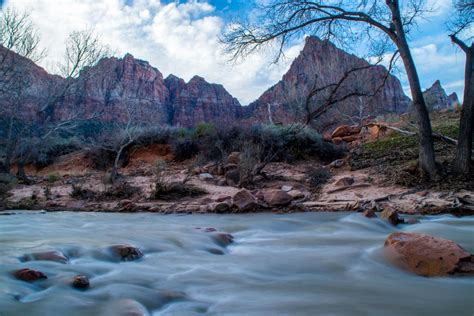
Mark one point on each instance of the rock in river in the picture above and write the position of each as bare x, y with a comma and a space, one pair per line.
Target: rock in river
55, 255
277, 197
126, 252
427, 255
80, 282
29, 275
391, 216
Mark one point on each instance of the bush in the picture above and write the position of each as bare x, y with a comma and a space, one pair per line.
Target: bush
79, 192
119, 190
317, 177
52, 177
175, 190
184, 149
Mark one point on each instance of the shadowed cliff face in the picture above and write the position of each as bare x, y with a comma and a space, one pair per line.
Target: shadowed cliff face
115, 86
437, 99
320, 64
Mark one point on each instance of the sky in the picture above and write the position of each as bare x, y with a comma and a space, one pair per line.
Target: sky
182, 38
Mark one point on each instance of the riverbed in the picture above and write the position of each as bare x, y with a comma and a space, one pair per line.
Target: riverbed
289, 264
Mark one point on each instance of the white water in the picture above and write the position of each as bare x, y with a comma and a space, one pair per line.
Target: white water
294, 264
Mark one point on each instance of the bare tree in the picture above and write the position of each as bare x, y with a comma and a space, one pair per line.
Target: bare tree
374, 19
18, 39
84, 49
462, 32
119, 137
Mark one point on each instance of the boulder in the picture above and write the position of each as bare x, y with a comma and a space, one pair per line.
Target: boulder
427, 255
350, 138
243, 200
80, 282
391, 216
29, 275
337, 163
222, 198
344, 182
277, 197
286, 188
221, 207
369, 214
126, 252
341, 131
232, 177
234, 158
296, 194
54, 255
337, 140
206, 177
223, 239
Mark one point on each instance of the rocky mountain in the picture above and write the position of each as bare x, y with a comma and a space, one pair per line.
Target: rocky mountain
119, 88
437, 99
322, 64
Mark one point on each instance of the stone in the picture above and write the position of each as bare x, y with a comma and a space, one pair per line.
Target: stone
54, 255
234, 158
337, 163
428, 256
29, 275
215, 251
221, 207
369, 214
126, 252
222, 198
296, 194
286, 188
277, 197
391, 216
223, 239
337, 140
244, 201
350, 138
232, 177
206, 177
80, 282
341, 131
344, 182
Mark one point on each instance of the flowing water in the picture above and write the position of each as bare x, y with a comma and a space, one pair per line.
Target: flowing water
293, 264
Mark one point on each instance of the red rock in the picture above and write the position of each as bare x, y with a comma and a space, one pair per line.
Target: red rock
245, 201
427, 255
350, 138
391, 216
337, 140
29, 275
277, 197
341, 131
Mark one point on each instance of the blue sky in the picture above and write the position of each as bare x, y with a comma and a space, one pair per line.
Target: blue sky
182, 37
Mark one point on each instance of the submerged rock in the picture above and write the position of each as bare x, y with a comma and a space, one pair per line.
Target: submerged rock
126, 252
29, 275
391, 216
223, 239
80, 282
427, 255
54, 255
124, 307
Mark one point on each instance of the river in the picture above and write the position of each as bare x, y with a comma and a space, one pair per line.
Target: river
291, 264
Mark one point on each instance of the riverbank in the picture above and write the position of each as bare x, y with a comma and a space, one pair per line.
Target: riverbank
377, 172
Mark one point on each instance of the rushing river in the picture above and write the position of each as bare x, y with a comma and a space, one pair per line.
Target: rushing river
292, 264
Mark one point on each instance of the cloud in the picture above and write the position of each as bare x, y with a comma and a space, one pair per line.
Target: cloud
178, 38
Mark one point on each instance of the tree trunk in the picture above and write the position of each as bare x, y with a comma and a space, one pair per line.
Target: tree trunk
427, 161
462, 162
20, 173
114, 173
